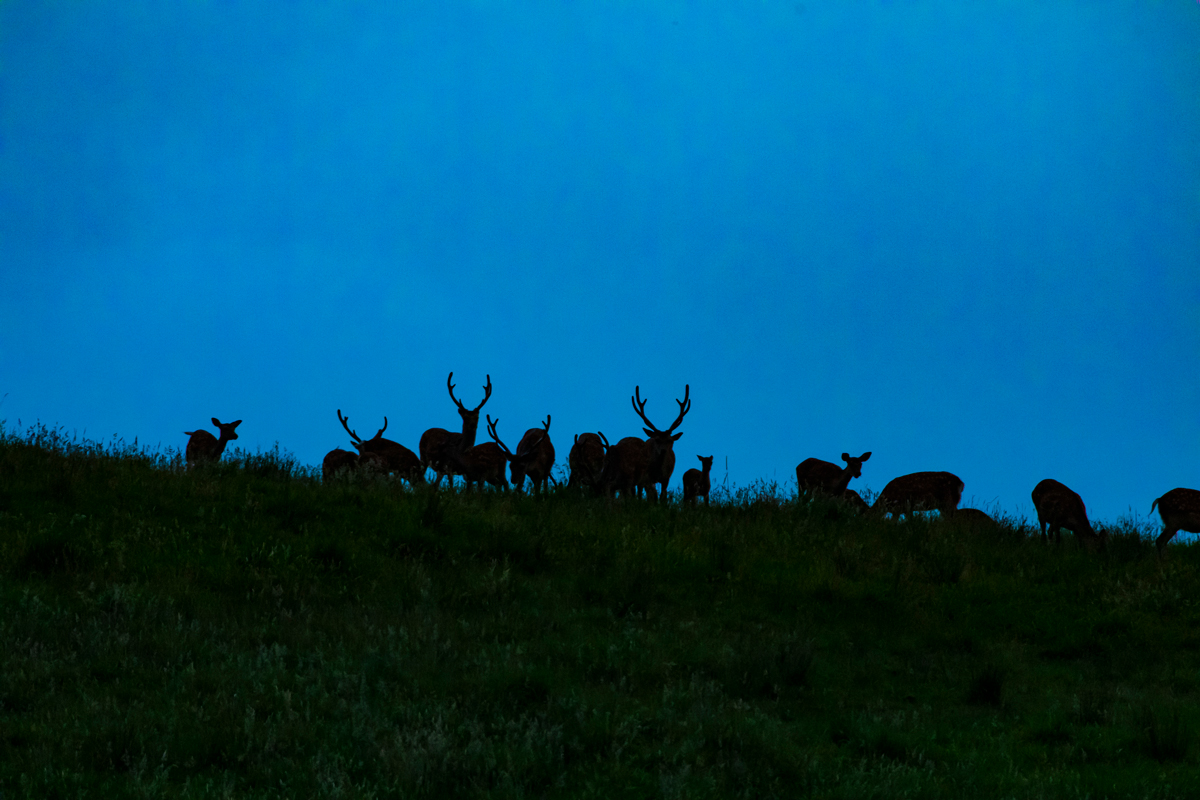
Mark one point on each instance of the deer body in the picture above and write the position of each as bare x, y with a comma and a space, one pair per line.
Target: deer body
854, 500
660, 443
534, 456
1180, 511
813, 473
388, 456
974, 518
696, 482
441, 450
586, 460
338, 461
484, 464
627, 468
1058, 507
919, 491
202, 446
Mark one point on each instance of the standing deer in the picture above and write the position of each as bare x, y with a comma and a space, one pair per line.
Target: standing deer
390, 457
921, 491
587, 460
696, 482
626, 468
441, 450
202, 446
1180, 511
661, 443
534, 456
813, 473
1058, 507
483, 464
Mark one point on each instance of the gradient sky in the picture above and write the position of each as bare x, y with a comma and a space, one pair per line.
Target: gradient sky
964, 236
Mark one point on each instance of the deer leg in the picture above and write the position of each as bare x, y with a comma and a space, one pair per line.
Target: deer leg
1167, 535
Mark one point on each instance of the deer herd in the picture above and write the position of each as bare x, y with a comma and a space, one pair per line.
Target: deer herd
634, 467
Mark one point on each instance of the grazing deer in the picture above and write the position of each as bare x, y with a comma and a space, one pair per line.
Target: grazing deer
534, 456
974, 519
483, 464
1180, 511
338, 461
587, 460
626, 467
696, 482
854, 500
661, 443
390, 457
1058, 507
813, 473
441, 450
921, 491
203, 446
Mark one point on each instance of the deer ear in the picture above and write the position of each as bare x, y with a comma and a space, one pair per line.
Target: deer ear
216, 422
235, 424
865, 456
648, 431
846, 457
675, 438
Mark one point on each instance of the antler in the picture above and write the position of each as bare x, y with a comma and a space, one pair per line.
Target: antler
684, 407
604, 439
487, 392
450, 386
639, 406
346, 425
491, 426
381, 430
546, 424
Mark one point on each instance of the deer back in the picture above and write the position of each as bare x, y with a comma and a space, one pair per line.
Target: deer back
813, 473
626, 466
1179, 509
338, 461
922, 491
485, 463
1060, 507
586, 460
534, 456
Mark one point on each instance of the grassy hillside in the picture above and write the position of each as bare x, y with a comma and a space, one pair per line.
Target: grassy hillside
244, 631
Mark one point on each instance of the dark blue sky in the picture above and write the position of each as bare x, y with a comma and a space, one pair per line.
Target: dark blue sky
962, 235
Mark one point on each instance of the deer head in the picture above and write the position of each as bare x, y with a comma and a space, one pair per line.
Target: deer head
470, 417
359, 444
662, 455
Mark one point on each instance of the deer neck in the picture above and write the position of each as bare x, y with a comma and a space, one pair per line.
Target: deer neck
470, 426
843, 481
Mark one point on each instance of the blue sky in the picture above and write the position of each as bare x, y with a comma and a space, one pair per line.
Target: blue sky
961, 235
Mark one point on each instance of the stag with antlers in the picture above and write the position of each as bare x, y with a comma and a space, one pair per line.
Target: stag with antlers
441, 450
534, 456
661, 443
390, 457
202, 446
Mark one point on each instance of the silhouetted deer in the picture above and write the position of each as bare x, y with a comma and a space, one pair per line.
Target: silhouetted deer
337, 462
1180, 511
696, 482
1058, 507
661, 443
587, 460
854, 500
974, 519
441, 450
534, 456
485, 463
627, 467
203, 446
388, 456
921, 491
813, 473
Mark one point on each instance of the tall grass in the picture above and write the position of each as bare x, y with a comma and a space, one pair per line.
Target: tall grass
243, 630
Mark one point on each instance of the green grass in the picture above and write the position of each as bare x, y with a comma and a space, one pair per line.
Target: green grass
244, 631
